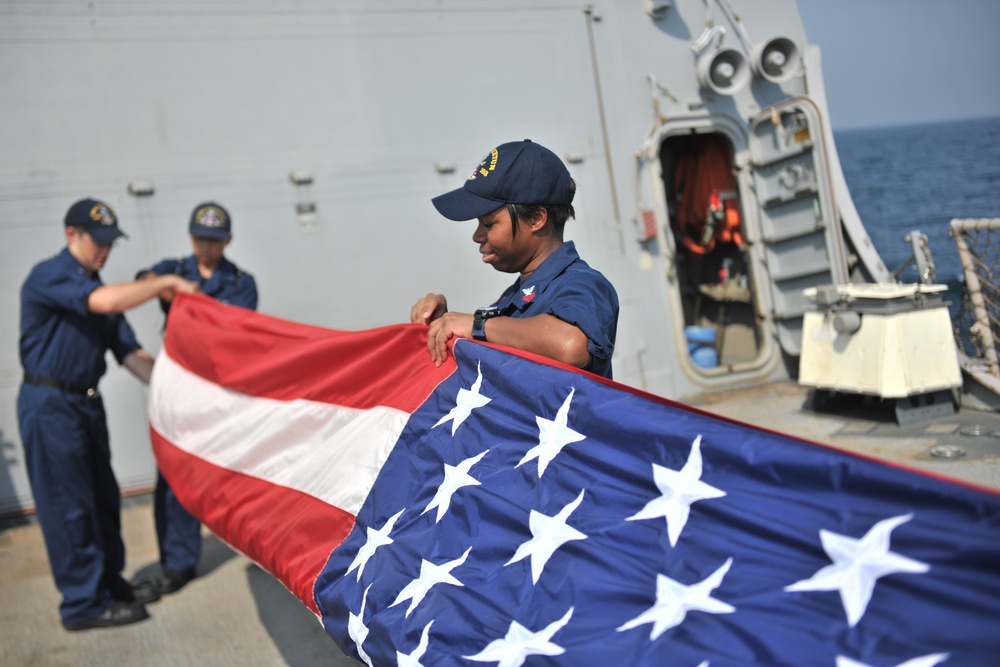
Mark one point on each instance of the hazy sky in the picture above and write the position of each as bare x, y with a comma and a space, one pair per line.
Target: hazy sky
896, 62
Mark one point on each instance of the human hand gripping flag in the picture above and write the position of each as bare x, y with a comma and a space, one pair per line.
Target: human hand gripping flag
506, 510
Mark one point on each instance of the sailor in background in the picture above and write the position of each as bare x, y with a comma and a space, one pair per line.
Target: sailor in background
69, 320
522, 194
178, 532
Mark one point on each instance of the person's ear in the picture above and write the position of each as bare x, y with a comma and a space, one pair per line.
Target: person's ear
536, 223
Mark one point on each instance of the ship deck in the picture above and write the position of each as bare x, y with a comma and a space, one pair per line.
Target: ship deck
233, 614
869, 428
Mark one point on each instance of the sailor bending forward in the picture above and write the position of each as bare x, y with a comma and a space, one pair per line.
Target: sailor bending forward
522, 194
69, 320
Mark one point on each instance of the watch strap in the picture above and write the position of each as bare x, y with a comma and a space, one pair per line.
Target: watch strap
479, 321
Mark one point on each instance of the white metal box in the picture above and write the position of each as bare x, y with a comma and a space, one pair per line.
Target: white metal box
887, 340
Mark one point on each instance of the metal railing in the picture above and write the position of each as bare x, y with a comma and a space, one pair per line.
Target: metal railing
977, 325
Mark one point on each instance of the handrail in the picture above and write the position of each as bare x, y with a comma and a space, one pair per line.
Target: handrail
973, 285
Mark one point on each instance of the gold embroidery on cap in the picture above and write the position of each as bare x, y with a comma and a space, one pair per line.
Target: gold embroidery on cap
100, 213
483, 169
209, 216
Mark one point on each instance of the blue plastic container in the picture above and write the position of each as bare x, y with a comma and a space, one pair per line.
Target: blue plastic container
701, 346
700, 335
705, 357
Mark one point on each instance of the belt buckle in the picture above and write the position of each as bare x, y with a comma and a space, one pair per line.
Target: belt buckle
92, 392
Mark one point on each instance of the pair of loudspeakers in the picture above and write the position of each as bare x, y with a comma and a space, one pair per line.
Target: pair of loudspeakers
726, 71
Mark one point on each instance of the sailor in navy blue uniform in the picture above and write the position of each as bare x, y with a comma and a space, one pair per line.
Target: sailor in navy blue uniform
69, 320
210, 227
521, 194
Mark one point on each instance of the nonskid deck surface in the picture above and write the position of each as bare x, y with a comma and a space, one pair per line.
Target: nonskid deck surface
233, 615
964, 445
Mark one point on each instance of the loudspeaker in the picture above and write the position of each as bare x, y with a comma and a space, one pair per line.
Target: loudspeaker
776, 61
724, 71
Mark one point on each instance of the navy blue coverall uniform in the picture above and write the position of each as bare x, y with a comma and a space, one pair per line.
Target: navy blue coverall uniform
178, 532
567, 287
64, 431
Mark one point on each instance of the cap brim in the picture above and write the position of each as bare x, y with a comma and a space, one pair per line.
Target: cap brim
461, 204
105, 235
211, 234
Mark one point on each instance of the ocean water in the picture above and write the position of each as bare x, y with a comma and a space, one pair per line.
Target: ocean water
919, 177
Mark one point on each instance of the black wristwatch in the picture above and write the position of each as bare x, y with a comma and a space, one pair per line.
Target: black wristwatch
479, 319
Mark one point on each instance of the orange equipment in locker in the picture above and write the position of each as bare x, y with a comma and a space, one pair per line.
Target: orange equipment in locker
707, 206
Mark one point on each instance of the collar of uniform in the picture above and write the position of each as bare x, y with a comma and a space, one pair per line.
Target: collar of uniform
190, 266
553, 265
67, 258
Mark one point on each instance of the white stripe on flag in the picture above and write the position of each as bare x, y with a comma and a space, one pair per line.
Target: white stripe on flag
330, 452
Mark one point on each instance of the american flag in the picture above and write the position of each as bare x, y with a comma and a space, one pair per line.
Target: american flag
505, 510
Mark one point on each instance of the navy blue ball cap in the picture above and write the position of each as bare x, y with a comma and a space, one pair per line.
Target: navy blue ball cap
519, 172
96, 218
210, 221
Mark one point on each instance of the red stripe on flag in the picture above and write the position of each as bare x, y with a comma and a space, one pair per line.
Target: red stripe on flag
233, 505
361, 369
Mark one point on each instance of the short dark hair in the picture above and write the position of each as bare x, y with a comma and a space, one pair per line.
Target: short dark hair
558, 214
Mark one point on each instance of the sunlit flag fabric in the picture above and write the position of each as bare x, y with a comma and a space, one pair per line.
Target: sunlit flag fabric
503, 510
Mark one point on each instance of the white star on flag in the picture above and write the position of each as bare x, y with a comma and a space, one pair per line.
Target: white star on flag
858, 564
412, 659
466, 401
548, 534
925, 661
455, 477
680, 489
376, 539
430, 575
674, 600
357, 630
552, 437
520, 642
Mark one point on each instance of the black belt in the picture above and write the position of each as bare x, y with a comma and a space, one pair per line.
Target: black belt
87, 392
